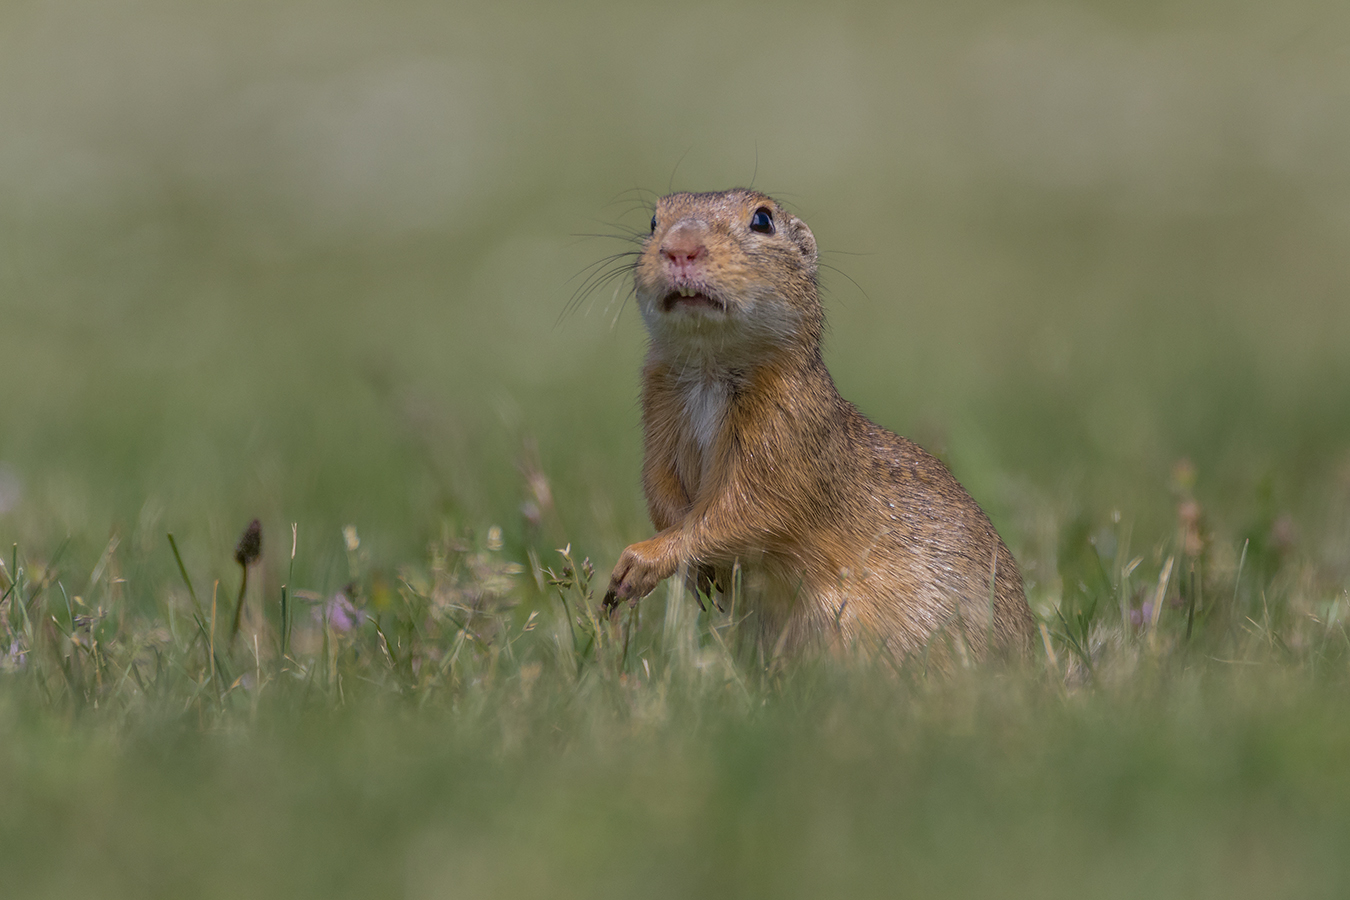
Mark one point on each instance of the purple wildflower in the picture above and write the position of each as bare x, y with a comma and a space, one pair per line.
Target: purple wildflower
341, 614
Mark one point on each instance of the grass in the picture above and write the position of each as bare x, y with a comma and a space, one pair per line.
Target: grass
306, 265
473, 728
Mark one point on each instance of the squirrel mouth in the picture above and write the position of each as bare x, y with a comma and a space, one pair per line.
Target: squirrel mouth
692, 299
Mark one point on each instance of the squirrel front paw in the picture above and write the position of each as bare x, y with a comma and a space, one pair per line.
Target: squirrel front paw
640, 568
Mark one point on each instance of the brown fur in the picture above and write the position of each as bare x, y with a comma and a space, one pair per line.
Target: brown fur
847, 534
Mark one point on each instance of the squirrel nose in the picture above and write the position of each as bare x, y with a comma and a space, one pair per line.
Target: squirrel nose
683, 245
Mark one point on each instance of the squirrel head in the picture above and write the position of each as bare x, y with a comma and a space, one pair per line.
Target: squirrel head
731, 274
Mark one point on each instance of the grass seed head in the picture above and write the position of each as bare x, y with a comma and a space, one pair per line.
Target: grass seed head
249, 548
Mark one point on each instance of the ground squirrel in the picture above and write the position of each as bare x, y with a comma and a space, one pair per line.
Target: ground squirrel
846, 534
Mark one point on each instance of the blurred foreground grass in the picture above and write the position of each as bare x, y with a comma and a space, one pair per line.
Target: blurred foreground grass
463, 734
306, 263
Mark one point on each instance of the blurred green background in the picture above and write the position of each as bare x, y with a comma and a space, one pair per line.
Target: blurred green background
310, 261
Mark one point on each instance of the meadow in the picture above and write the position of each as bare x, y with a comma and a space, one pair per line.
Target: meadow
333, 267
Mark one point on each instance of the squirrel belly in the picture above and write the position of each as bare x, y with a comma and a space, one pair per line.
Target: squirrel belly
847, 535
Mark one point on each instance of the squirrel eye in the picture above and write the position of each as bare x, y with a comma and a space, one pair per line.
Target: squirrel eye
653, 224
762, 221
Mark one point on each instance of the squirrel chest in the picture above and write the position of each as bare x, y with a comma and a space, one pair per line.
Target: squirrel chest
703, 401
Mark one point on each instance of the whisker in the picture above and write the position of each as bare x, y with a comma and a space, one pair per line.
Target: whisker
615, 267
632, 237
670, 187
591, 285
642, 195
623, 304
601, 263
596, 276
848, 276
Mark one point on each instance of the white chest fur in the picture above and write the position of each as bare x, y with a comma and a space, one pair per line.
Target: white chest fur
705, 408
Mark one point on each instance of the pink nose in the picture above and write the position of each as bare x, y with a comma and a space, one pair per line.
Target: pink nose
683, 246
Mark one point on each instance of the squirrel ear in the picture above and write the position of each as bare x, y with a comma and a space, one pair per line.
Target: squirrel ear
804, 239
